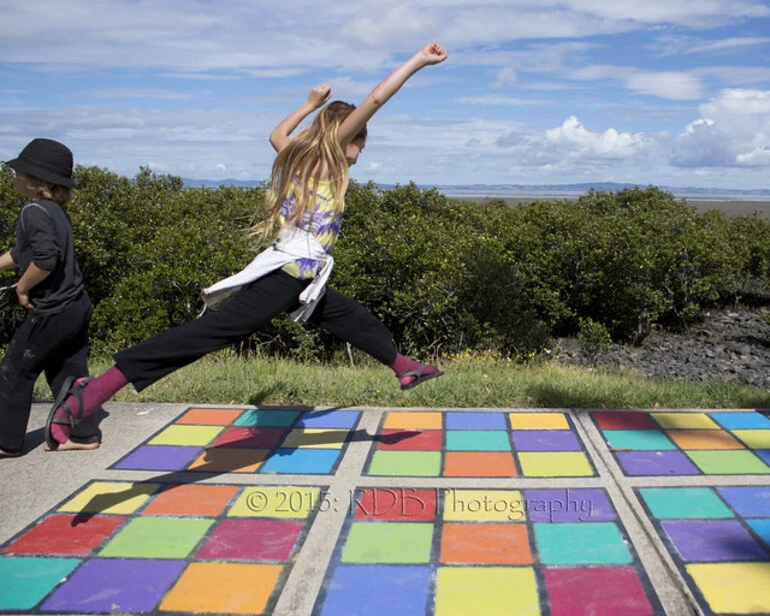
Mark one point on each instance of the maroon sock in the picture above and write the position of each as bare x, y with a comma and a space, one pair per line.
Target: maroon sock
95, 393
403, 364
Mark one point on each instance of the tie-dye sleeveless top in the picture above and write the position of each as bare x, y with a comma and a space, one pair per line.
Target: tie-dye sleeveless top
322, 220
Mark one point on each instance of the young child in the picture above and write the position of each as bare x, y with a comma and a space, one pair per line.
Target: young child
54, 337
306, 200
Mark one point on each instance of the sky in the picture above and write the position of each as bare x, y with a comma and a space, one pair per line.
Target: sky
662, 92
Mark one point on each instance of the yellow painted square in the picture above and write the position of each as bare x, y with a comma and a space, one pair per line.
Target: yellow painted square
187, 435
755, 439
315, 438
490, 591
412, 420
703, 439
484, 506
538, 421
282, 502
109, 497
555, 464
223, 588
685, 421
734, 588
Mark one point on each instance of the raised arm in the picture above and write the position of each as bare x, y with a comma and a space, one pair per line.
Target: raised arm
352, 125
317, 98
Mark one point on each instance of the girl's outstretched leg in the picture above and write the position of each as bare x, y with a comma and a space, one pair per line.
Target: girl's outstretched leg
412, 373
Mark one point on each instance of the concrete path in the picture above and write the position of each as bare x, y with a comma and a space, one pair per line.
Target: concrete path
229, 509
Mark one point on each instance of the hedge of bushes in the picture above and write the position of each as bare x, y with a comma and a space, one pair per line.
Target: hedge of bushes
444, 275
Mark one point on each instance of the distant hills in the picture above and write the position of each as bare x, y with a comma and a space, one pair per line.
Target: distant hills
521, 189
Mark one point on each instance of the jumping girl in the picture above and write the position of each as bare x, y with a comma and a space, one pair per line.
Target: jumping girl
306, 201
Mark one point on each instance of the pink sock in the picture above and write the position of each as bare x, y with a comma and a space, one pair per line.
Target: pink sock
403, 364
95, 393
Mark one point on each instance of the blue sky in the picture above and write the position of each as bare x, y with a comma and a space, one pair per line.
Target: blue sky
664, 92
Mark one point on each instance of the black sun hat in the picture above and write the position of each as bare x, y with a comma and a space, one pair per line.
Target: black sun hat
46, 159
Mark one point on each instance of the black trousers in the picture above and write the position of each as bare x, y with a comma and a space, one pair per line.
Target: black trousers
54, 343
251, 308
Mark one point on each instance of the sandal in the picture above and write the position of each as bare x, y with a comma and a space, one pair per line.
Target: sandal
419, 376
71, 420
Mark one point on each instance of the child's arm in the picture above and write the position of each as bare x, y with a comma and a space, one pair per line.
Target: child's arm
6, 261
317, 98
32, 277
352, 125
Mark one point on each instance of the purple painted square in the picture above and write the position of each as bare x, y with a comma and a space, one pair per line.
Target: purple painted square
109, 585
457, 420
545, 440
713, 540
328, 419
656, 463
262, 540
568, 505
159, 458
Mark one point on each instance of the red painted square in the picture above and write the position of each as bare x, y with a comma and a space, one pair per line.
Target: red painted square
596, 591
262, 540
624, 421
400, 504
250, 438
57, 536
410, 440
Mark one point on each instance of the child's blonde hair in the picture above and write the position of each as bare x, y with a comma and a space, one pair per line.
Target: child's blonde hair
302, 161
61, 194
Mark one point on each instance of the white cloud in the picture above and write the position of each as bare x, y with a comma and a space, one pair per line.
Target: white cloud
499, 100
574, 140
505, 76
670, 85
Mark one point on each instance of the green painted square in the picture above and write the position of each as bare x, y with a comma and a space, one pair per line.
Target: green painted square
151, 537
26, 580
263, 418
638, 440
682, 503
388, 542
406, 463
477, 440
581, 543
728, 462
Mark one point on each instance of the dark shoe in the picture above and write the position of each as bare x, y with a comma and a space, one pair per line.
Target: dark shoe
72, 420
420, 378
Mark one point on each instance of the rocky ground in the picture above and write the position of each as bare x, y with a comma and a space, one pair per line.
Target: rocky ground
724, 346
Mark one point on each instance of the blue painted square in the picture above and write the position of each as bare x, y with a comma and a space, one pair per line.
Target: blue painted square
267, 418
328, 419
741, 421
764, 454
761, 528
26, 580
748, 501
301, 461
378, 591
475, 421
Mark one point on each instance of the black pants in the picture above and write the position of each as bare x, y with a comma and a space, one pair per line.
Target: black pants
54, 343
251, 308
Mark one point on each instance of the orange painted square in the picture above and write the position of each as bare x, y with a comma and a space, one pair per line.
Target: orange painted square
479, 464
485, 544
209, 417
223, 588
188, 499
704, 439
412, 420
230, 460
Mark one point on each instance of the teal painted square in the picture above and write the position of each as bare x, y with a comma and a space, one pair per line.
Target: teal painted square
477, 440
263, 418
301, 461
388, 542
406, 463
684, 503
761, 528
581, 543
155, 537
638, 440
27, 580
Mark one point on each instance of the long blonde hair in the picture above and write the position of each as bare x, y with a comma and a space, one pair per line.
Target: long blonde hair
311, 152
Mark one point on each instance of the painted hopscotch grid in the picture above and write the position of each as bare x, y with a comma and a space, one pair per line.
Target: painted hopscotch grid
152, 548
677, 444
478, 444
720, 540
217, 440
448, 552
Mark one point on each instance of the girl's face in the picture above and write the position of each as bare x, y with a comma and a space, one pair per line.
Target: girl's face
354, 149
22, 184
